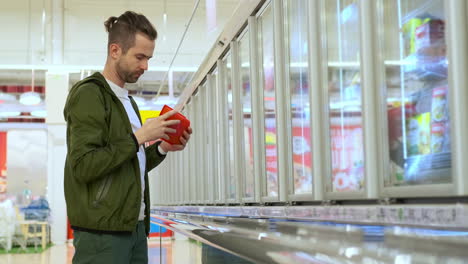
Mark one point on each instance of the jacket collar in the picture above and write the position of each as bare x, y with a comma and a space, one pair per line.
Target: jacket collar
97, 76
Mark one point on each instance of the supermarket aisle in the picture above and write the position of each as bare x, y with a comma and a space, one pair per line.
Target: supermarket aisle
60, 254
173, 252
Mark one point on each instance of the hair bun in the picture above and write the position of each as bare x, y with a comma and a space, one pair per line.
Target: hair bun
109, 22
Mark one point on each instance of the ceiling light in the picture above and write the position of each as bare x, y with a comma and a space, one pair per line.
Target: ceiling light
39, 113
8, 98
30, 98
9, 114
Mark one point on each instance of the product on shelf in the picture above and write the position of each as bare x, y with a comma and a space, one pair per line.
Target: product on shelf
427, 140
425, 47
419, 134
409, 34
429, 38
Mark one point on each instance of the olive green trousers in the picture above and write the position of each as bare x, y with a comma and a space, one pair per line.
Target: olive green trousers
93, 248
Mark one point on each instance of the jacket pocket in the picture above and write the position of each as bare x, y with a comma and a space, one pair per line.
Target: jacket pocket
102, 191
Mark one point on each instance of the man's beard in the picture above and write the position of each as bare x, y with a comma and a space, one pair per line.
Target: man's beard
128, 76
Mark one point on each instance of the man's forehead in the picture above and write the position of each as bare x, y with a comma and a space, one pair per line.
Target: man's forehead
143, 45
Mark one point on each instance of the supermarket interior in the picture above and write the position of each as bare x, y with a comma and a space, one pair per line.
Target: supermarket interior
324, 131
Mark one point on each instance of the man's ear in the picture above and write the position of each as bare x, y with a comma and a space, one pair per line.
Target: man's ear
115, 51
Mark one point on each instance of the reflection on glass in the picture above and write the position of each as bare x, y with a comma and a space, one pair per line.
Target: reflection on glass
244, 49
219, 136
269, 99
181, 80
228, 85
417, 92
205, 143
215, 138
300, 106
342, 22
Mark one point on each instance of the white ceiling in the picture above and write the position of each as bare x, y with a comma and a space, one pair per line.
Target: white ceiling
28, 40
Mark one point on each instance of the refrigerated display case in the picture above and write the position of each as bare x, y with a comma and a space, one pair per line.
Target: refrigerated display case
231, 182
267, 62
198, 132
342, 27
212, 139
246, 106
299, 84
204, 163
214, 144
417, 92
367, 85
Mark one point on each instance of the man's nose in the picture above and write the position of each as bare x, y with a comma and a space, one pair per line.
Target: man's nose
144, 65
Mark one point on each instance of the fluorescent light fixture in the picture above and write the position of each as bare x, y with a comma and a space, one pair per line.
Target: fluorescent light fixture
39, 113
4, 97
30, 98
9, 114
78, 68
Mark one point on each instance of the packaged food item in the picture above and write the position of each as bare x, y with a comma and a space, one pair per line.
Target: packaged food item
439, 104
174, 138
437, 137
430, 38
419, 134
409, 29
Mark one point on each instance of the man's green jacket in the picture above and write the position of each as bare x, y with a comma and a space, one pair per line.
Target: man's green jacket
102, 174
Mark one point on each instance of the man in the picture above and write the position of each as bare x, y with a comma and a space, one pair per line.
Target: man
107, 165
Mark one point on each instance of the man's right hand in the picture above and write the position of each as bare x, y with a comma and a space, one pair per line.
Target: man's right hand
156, 128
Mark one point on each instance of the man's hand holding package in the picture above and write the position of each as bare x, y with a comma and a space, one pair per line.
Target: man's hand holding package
156, 128
166, 147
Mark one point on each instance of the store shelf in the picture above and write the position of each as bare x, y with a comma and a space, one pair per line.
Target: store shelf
426, 67
277, 240
434, 216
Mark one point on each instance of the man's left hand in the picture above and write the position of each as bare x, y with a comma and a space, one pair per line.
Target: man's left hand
166, 147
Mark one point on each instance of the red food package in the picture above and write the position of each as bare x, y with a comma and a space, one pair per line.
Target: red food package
174, 138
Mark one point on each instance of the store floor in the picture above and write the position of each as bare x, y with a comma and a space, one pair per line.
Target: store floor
181, 251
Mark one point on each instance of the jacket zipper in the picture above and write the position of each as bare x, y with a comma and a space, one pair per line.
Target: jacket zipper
103, 190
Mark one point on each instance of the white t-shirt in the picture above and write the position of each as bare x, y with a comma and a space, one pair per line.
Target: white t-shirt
122, 94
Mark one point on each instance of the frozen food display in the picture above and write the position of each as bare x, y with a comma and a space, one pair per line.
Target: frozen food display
417, 92
269, 100
345, 97
244, 52
300, 91
231, 173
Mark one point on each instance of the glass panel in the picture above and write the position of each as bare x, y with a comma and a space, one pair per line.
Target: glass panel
214, 139
344, 85
300, 106
219, 136
244, 49
205, 147
269, 99
199, 129
416, 73
232, 175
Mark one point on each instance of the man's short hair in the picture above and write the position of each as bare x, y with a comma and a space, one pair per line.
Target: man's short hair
122, 29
